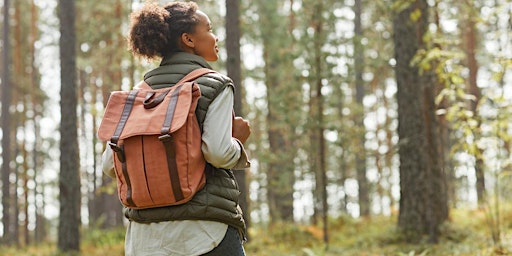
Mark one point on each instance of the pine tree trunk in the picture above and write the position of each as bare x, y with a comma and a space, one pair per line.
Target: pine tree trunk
318, 154
423, 203
6, 128
469, 33
69, 175
34, 92
281, 102
234, 66
364, 197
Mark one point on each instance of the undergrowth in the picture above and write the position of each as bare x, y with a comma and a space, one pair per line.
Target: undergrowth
465, 234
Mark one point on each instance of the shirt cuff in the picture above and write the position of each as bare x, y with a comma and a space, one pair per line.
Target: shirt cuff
243, 161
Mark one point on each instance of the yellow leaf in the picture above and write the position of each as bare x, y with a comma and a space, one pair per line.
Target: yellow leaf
415, 15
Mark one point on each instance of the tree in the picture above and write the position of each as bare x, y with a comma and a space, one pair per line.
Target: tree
364, 197
470, 41
6, 131
423, 202
233, 66
99, 62
283, 99
317, 125
69, 176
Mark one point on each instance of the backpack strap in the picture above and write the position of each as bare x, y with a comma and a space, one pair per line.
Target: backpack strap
168, 140
119, 150
189, 77
142, 85
195, 74
174, 97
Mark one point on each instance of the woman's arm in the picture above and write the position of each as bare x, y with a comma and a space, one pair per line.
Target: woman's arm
219, 147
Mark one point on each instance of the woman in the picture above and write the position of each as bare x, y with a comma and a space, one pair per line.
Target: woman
211, 223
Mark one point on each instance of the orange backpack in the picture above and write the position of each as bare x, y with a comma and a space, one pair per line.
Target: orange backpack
156, 143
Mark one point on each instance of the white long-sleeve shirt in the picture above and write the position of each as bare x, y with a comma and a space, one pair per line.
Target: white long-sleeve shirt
219, 148
191, 237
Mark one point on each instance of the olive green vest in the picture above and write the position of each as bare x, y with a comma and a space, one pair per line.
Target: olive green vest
218, 200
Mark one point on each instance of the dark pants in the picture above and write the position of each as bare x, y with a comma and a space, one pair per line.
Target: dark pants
231, 245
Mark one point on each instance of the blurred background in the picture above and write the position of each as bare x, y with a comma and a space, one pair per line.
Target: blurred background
378, 127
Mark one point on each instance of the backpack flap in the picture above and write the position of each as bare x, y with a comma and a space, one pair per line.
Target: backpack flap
166, 117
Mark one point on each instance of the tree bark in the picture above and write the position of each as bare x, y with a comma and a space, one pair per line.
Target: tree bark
281, 99
6, 128
233, 66
423, 203
469, 33
69, 176
364, 197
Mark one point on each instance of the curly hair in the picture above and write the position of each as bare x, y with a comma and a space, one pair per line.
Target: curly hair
155, 31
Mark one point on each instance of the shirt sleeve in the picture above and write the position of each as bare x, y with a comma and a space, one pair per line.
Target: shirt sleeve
219, 148
107, 162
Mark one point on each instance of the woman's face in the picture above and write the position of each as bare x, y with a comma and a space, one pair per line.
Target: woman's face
203, 41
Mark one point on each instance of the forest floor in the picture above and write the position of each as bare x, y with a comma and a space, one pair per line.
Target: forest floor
468, 232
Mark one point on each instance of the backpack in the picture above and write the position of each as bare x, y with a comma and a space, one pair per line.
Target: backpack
156, 143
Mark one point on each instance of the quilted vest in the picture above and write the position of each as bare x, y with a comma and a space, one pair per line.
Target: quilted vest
218, 200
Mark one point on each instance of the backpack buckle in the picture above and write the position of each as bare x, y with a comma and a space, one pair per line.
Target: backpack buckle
118, 150
165, 137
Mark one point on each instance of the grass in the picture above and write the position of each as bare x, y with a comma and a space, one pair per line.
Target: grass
466, 234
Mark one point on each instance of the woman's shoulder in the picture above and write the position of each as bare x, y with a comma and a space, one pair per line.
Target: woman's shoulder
215, 79
212, 84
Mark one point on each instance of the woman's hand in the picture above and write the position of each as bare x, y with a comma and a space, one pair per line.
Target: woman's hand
241, 129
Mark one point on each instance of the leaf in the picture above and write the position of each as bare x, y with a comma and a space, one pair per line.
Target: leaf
401, 5
415, 15
455, 79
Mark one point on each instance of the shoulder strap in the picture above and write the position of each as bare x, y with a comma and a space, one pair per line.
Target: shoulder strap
194, 75
174, 97
142, 85
189, 77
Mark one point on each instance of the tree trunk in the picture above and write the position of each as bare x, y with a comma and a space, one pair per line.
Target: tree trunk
69, 176
364, 197
24, 180
18, 71
318, 157
469, 33
445, 130
281, 100
423, 203
233, 66
35, 107
6, 129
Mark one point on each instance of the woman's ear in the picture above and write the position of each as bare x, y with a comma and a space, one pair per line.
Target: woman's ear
186, 39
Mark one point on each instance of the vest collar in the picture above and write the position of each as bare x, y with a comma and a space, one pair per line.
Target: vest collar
184, 58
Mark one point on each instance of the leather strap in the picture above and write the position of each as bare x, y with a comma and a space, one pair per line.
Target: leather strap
170, 151
152, 101
168, 140
120, 150
166, 126
129, 198
128, 106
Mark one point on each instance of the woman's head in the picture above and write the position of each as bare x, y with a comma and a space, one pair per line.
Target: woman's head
157, 31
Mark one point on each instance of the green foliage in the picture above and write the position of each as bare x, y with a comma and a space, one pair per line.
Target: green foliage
400, 5
96, 237
465, 234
